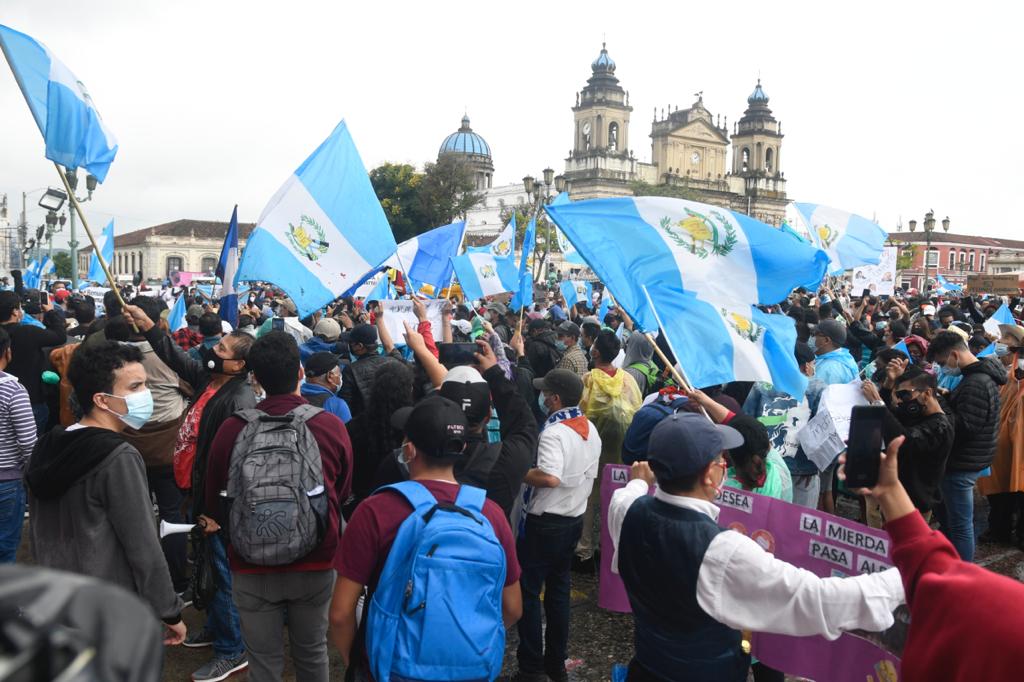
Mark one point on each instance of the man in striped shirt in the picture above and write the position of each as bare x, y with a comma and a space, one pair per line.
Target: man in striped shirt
17, 438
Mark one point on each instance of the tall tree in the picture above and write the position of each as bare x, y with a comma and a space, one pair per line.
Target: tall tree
447, 191
62, 265
397, 188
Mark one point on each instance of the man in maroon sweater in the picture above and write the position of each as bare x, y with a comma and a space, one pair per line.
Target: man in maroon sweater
298, 593
965, 621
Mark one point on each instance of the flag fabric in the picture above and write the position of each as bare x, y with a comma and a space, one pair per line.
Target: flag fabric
426, 258
106, 244
902, 347
47, 267
990, 349
946, 287
716, 343
65, 113
383, 290
721, 256
576, 291
481, 274
1001, 316
848, 239
30, 276
176, 318
503, 246
322, 231
227, 269
569, 252
605, 305
786, 228
524, 294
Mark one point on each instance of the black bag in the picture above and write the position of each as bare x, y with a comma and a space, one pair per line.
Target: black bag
203, 580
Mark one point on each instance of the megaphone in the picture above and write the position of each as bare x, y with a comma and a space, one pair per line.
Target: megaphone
172, 528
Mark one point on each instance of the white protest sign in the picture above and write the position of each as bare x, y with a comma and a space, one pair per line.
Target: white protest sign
840, 400
880, 278
397, 312
819, 439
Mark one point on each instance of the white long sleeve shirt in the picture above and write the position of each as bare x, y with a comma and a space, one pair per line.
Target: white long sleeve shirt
742, 586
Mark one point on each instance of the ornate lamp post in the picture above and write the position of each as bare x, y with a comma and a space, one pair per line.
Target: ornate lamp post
540, 193
929, 226
90, 186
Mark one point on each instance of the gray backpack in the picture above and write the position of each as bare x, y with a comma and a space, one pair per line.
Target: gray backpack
276, 488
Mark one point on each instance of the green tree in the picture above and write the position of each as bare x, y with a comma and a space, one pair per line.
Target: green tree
646, 189
397, 188
447, 191
905, 257
62, 265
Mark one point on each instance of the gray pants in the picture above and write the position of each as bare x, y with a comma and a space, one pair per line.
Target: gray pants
264, 601
806, 490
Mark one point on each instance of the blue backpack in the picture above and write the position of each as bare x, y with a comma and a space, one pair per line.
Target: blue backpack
436, 613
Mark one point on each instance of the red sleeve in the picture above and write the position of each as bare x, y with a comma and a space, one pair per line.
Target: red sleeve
425, 331
503, 531
358, 557
728, 417
918, 550
217, 463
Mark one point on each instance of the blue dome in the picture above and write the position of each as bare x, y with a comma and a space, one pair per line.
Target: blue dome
758, 96
603, 61
465, 141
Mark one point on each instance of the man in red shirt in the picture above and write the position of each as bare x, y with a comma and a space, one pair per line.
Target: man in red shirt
375, 523
299, 593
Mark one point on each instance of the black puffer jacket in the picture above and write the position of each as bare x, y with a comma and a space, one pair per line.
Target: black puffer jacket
542, 352
975, 405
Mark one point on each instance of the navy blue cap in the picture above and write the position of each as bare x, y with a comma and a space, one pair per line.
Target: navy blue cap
682, 444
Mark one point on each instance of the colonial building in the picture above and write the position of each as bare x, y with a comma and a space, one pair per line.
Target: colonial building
183, 245
954, 256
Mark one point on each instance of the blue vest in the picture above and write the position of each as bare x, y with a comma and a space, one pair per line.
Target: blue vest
661, 548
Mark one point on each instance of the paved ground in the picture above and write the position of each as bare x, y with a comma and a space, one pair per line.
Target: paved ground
599, 639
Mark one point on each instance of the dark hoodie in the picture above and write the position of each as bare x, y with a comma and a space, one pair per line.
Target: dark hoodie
62, 457
542, 352
975, 406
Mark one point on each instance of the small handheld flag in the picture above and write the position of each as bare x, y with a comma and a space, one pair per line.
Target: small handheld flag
227, 268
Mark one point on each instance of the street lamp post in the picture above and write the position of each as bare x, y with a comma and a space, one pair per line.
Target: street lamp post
90, 186
540, 192
929, 226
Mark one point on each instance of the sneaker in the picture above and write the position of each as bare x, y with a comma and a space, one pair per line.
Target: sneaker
199, 640
186, 597
220, 669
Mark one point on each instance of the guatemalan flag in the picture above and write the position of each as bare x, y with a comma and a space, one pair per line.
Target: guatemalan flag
227, 268
426, 259
1001, 316
176, 318
715, 253
106, 244
945, 286
524, 294
576, 291
322, 231
503, 246
72, 128
481, 274
848, 239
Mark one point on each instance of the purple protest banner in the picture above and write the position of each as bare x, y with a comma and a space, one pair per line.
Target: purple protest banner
826, 545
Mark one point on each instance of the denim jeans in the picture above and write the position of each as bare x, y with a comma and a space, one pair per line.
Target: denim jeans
222, 616
545, 555
956, 513
12, 518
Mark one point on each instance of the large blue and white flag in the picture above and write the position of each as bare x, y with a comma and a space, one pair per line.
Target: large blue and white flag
524, 294
946, 287
322, 231
426, 258
848, 239
576, 291
503, 246
721, 256
605, 305
382, 290
72, 128
176, 318
46, 268
106, 244
227, 269
1001, 316
718, 343
481, 274
30, 276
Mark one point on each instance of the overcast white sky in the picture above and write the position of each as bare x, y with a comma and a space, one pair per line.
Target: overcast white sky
889, 108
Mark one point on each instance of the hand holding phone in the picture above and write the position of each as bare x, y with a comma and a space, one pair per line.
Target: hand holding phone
277, 324
864, 448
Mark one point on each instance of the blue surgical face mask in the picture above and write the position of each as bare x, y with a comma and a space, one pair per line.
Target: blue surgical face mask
1002, 350
560, 345
812, 341
541, 405
140, 408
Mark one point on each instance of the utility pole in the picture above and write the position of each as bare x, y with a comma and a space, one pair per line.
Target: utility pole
23, 231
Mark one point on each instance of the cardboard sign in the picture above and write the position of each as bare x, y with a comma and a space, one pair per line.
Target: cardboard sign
880, 278
397, 312
998, 285
826, 545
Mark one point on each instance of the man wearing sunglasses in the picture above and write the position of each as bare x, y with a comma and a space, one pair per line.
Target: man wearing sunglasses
915, 411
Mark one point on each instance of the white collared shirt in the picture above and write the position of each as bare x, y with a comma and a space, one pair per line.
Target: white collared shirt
742, 586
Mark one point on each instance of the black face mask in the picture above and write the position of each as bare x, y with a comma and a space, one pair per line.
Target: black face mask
909, 408
214, 362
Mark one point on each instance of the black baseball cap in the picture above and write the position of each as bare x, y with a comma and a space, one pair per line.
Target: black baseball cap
682, 444
366, 334
564, 383
321, 363
568, 328
435, 425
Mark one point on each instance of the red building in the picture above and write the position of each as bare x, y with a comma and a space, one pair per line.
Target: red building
954, 256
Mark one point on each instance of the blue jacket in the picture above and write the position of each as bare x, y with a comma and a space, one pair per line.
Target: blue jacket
836, 367
317, 345
333, 404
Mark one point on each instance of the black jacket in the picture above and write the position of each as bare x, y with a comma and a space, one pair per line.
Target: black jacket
542, 352
975, 405
923, 455
27, 345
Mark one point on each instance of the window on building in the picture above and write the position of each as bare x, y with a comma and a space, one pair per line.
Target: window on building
208, 264
769, 159
613, 136
952, 260
982, 268
133, 262
933, 258
745, 156
174, 263
971, 266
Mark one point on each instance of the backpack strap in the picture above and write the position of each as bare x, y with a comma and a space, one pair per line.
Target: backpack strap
415, 494
471, 498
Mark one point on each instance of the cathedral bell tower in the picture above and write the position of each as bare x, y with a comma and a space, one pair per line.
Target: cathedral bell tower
757, 139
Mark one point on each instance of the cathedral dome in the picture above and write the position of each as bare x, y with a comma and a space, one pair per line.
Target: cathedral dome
758, 96
465, 141
603, 61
